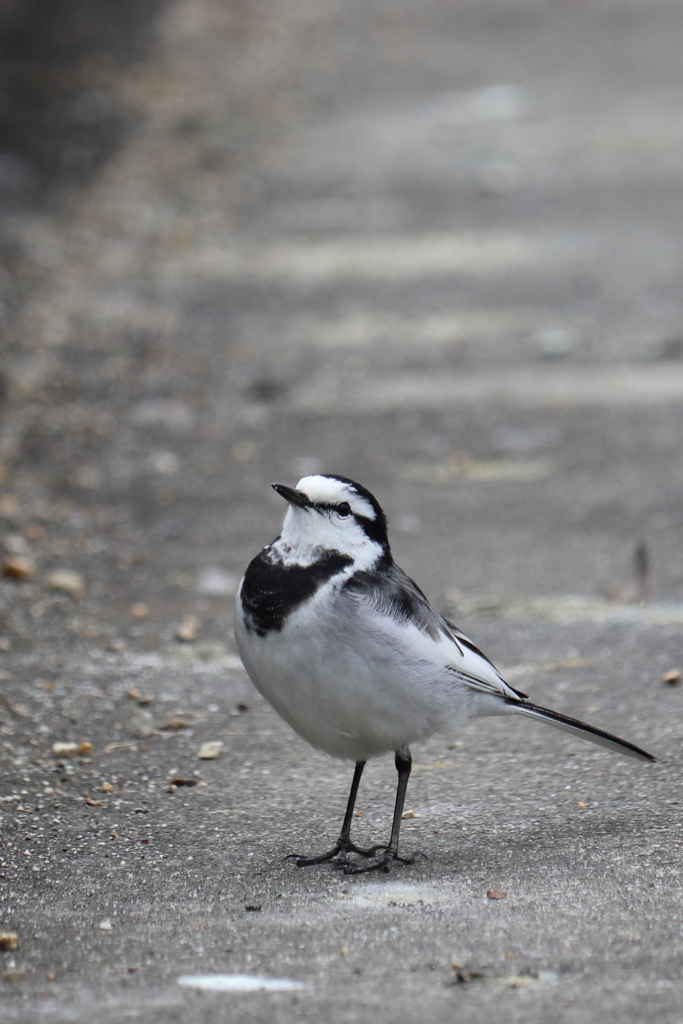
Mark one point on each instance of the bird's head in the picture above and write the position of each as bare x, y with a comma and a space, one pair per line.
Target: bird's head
333, 513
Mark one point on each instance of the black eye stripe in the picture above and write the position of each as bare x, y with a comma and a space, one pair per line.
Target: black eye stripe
343, 509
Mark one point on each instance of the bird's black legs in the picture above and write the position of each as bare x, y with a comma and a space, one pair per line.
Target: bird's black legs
343, 846
404, 763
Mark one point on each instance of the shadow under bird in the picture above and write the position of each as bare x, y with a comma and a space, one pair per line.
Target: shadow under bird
348, 650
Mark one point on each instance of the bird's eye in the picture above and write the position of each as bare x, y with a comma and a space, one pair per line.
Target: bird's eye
344, 510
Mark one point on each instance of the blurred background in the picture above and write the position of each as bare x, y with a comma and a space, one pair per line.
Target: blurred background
436, 246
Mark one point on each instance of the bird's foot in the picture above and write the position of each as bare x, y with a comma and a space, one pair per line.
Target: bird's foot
340, 850
383, 863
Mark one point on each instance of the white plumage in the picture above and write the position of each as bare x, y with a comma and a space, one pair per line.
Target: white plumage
350, 653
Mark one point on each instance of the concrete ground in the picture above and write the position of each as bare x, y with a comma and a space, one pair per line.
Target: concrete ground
436, 247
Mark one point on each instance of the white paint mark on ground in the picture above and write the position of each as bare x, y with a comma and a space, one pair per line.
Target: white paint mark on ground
569, 608
395, 894
369, 327
376, 257
484, 470
528, 387
239, 983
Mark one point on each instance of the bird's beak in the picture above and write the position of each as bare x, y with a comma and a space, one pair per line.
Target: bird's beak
291, 495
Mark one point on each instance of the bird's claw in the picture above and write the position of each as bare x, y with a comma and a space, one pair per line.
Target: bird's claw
340, 851
383, 864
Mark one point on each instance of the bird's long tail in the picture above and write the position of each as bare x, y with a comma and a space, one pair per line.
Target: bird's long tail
572, 725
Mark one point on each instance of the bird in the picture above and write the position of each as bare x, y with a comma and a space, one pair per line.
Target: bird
350, 653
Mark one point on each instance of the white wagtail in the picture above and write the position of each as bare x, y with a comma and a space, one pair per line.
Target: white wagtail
350, 653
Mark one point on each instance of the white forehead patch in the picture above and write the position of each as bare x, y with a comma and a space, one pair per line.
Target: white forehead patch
324, 491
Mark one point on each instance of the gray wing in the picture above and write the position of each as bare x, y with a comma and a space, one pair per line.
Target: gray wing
394, 594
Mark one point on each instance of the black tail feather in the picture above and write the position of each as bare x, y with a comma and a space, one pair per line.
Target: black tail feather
573, 725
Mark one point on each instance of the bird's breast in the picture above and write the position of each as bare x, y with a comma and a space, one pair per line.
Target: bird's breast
272, 590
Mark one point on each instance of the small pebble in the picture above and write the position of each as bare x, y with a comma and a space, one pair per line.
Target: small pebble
186, 632
17, 975
5, 643
35, 533
106, 787
8, 940
84, 749
142, 724
174, 724
496, 894
105, 926
672, 677
15, 544
554, 343
18, 568
211, 750
64, 749
67, 582
139, 610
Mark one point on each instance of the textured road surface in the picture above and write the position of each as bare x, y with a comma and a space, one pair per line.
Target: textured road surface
436, 247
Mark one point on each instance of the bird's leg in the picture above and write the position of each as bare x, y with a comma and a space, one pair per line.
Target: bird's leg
403, 761
343, 845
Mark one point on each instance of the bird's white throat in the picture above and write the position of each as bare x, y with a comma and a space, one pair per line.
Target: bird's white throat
308, 534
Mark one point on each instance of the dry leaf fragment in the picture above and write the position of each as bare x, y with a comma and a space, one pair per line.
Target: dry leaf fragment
34, 533
210, 751
18, 568
66, 581
496, 894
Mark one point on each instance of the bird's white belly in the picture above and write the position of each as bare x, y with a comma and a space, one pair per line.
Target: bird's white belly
353, 700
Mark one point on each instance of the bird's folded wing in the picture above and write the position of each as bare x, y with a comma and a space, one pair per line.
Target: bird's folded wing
408, 614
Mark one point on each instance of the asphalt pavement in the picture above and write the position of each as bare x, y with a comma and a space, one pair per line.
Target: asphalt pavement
436, 248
